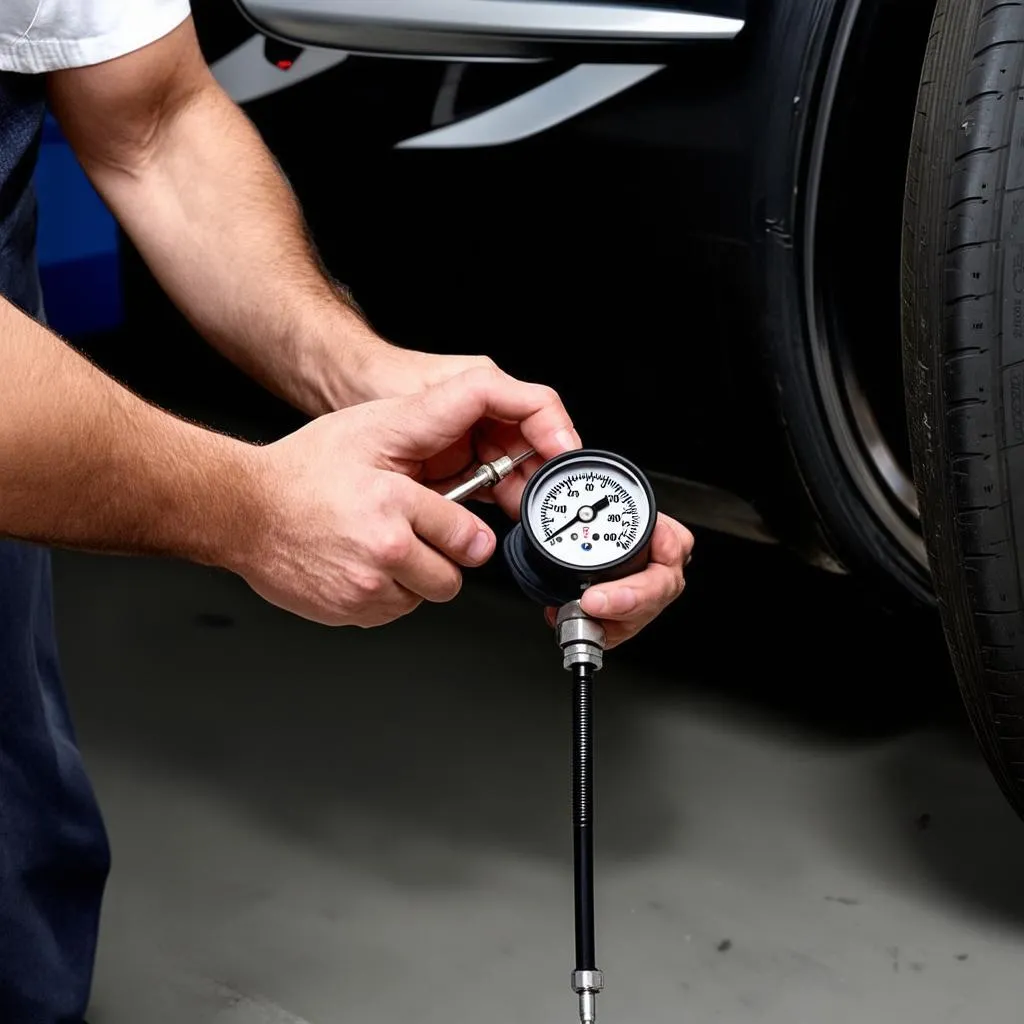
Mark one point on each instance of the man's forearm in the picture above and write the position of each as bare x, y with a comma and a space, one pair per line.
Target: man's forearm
85, 463
212, 215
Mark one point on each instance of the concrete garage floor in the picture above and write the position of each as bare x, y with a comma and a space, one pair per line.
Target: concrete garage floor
324, 826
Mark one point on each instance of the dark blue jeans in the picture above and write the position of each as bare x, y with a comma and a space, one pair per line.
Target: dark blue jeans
54, 856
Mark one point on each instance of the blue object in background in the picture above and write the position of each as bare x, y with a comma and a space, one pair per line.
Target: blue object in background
78, 259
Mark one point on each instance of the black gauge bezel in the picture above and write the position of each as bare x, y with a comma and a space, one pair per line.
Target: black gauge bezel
591, 454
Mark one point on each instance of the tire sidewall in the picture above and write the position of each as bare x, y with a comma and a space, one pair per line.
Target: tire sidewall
850, 531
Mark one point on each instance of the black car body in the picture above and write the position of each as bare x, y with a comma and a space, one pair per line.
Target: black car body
770, 252
632, 220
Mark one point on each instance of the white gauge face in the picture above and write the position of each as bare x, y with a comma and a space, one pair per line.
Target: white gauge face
587, 512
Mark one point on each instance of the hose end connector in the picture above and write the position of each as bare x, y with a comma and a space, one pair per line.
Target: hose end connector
581, 638
587, 984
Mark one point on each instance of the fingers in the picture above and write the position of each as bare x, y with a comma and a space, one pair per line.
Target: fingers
495, 439
427, 573
671, 541
347, 595
635, 601
454, 464
629, 604
619, 632
614, 632
445, 525
440, 415
418, 546
390, 602
659, 584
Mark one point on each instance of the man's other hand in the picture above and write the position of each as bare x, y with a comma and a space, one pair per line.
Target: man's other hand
346, 529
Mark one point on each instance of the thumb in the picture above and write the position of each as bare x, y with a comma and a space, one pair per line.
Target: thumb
437, 417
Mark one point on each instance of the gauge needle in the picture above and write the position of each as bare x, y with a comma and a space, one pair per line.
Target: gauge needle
602, 503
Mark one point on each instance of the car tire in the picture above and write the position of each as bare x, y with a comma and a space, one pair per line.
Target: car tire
963, 346
819, 179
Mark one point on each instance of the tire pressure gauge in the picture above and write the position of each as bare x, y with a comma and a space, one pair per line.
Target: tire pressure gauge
586, 517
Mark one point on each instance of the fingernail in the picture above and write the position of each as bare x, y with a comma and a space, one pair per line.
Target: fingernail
598, 602
480, 546
623, 600
567, 440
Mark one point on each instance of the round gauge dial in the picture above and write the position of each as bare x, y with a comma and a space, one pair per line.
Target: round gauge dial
588, 510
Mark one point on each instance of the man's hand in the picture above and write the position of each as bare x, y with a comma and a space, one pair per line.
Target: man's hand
377, 369
627, 605
350, 535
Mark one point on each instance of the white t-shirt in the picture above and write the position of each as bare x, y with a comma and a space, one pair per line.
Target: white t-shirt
48, 35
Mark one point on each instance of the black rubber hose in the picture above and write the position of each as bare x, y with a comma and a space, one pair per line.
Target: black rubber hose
582, 817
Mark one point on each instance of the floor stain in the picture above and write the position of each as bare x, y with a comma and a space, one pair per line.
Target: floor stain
847, 901
923, 821
724, 946
894, 953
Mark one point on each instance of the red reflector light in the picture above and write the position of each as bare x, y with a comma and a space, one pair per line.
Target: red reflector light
284, 64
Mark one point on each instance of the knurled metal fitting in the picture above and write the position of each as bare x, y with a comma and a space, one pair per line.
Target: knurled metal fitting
587, 981
581, 638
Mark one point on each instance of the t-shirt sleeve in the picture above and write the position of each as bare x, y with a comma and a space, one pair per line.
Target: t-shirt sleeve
48, 35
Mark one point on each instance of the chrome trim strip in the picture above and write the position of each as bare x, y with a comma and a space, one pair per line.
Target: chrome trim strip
454, 27
537, 110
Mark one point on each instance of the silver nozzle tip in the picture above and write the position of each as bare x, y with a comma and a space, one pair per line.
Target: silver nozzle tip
588, 1008
587, 984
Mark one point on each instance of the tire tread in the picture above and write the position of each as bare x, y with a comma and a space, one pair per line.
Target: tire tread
953, 347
